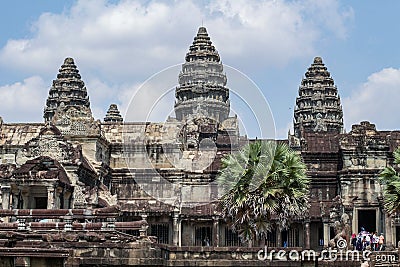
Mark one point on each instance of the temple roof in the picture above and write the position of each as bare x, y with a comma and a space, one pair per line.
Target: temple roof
318, 107
17, 134
67, 90
202, 87
42, 167
202, 48
113, 114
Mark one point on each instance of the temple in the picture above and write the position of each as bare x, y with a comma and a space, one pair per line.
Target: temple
76, 191
67, 90
318, 106
113, 114
202, 83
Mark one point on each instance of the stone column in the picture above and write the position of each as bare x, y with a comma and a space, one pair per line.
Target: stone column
143, 229
215, 241
175, 230
279, 237
326, 234
5, 191
307, 235
25, 200
388, 231
180, 233
14, 200
57, 202
50, 198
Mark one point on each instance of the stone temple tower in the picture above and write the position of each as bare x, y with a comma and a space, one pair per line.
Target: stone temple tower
113, 114
318, 107
202, 84
67, 90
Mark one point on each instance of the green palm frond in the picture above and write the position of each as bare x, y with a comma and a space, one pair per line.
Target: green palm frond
396, 155
390, 180
265, 179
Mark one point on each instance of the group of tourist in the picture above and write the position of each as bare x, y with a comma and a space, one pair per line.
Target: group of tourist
366, 240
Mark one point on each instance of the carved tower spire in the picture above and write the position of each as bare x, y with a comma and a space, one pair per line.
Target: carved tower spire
318, 107
67, 90
113, 114
202, 84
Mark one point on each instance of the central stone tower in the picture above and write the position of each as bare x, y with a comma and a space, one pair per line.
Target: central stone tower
202, 87
318, 107
67, 90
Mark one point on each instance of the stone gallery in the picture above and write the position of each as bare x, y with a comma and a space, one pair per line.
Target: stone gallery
76, 191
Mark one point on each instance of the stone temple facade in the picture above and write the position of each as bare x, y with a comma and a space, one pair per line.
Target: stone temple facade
76, 191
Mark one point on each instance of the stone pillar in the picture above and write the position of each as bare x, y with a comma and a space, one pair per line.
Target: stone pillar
14, 200
25, 200
5, 191
57, 202
180, 233
175, 230
50, 198
326, 234
388, 231
279, 237
143, 229
307, 235
215, 240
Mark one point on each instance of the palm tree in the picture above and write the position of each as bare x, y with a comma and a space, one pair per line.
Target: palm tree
264, 185
389, 177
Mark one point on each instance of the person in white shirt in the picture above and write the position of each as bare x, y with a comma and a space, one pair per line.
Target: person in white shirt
375, 240
367, 241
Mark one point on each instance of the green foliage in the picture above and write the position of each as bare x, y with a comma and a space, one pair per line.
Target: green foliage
264, 184
390, 179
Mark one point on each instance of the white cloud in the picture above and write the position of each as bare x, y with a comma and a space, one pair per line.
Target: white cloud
117, 45
23, 101
330, 15
377, 101
120, 40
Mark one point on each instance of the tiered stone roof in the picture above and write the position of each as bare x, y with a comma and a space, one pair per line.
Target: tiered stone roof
318, 107
113, 114
202, 84
67, 90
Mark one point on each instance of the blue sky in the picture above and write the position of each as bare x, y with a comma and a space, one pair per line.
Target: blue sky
117, 45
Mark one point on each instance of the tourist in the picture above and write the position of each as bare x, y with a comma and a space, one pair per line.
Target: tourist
359, 242
381, 242
354, 241
375, 240
367, 240
206, 242
364, 242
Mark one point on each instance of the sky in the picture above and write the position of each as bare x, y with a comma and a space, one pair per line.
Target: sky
120, 45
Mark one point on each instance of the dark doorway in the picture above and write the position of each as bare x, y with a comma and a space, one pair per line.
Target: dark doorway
367, 219
40, 202
203, 236
284, 238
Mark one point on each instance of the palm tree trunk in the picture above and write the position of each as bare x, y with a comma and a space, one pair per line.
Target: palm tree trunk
279, 237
